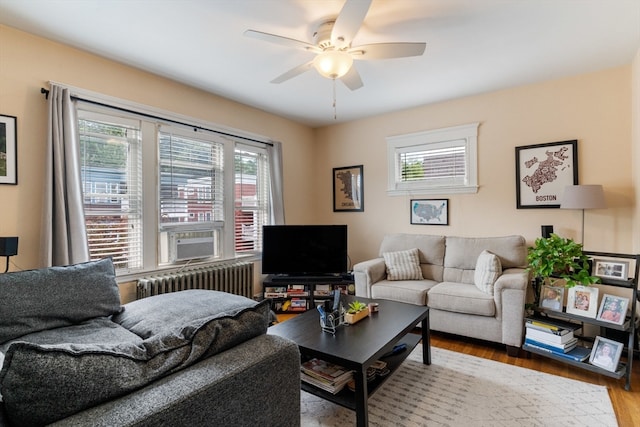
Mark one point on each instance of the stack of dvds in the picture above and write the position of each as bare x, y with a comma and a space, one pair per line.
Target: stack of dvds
325, 375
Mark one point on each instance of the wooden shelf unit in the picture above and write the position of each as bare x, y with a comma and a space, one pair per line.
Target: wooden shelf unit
628, 326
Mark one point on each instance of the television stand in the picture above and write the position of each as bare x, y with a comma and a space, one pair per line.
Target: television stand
291, 294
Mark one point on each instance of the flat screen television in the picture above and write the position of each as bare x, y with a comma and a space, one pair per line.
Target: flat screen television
304, 250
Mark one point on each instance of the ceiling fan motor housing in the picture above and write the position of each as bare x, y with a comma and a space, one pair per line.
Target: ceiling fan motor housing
322, 36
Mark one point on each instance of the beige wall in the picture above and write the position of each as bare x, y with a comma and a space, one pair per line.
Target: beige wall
27, 63
635, 146
595, 109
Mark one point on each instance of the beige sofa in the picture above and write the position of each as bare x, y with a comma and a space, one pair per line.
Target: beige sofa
485, 303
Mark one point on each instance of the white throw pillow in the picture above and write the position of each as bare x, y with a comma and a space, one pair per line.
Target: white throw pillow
403, 265
488, 269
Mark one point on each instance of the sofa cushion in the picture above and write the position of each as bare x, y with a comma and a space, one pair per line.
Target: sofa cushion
430, 250
461, 298
488, 269
42, 383
409, 291
403, 265
48, 298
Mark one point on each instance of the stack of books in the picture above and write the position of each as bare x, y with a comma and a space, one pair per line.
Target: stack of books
554, 337
325, 375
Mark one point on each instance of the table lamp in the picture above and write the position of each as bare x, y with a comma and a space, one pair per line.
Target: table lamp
8, 248
583, 197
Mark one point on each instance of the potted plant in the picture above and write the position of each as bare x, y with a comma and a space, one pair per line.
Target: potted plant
556, 258
357, 311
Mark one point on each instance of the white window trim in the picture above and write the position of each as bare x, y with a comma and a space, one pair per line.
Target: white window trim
401, 143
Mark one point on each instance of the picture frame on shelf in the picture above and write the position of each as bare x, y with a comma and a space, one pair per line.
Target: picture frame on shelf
8, 150
429, 211
606, 354
608, 269
613, 309
552, 297
583, 301
348, 189
543, 171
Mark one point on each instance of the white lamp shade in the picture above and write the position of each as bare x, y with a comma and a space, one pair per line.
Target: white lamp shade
333, 64
583, 197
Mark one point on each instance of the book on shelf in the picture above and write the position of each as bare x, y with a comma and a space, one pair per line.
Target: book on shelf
275, 294
561, 348
325, 375
577, 354
545, 336
553, 326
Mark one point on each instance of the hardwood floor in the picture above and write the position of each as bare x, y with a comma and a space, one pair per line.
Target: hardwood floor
626, 404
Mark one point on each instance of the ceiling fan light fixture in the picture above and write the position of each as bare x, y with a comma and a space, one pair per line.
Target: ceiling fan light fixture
333, 64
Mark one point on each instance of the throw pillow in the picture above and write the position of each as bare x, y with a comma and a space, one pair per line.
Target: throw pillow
403, 265
36, 300
488, 269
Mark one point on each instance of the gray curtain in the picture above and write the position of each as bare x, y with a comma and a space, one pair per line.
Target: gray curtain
277, 188
64, 234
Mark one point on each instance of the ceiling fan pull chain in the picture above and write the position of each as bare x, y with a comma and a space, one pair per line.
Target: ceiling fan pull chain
335, 113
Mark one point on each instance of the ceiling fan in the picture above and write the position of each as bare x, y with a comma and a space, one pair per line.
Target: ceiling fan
332, 44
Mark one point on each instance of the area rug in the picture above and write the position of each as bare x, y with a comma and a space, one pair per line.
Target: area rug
462, 390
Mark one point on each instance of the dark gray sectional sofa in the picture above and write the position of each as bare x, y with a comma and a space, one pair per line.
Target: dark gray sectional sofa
71, 355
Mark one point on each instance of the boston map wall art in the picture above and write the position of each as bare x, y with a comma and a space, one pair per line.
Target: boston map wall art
8, 150
543, 171
348, 189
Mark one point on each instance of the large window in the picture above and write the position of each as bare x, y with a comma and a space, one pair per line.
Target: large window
434, 162
157, 194
111, 172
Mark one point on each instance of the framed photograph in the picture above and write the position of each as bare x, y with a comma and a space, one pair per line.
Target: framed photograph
583, 301
348, 189
552, 297
8, 150
606, 353
611, 269
543, 171
430, 211
613, 309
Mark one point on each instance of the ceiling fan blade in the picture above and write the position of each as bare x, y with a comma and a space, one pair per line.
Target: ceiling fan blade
283, 41
348, 22
387, 50
352, 79
293, 72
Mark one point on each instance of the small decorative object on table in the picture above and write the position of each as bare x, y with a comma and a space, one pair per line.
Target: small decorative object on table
332, 316
356, 312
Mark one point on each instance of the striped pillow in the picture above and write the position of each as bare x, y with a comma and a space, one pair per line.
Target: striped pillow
488, 269
403, 265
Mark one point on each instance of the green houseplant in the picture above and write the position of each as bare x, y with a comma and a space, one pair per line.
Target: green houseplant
555, 258
357, 311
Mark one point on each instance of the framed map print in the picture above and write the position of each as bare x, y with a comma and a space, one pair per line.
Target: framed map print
543, 171
348, 189
8, 150
430, 211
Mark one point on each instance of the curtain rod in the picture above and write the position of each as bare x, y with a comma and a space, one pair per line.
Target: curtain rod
151, 116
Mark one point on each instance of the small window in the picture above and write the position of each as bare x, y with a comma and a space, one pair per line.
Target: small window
440, 161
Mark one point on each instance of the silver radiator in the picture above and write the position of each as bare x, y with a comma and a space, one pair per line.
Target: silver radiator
235, 278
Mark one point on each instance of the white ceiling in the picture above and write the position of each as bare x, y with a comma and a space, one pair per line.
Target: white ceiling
473, 46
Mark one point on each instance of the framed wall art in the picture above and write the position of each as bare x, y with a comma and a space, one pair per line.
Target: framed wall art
583, 301
348, 189
8, 150
430, 211
611, 269
543, 171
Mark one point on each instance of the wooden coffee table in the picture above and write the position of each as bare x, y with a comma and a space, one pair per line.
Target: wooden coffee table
356, 347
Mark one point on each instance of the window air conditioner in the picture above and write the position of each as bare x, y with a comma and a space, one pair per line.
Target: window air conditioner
191, 248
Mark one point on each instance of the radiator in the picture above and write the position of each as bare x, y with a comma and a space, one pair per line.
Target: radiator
235, 278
